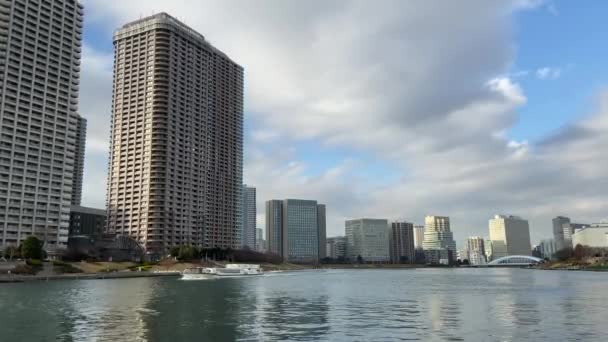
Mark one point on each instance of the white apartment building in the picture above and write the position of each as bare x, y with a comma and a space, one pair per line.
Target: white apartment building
40, 51
176, 154
510, 235
596, 235
368, 238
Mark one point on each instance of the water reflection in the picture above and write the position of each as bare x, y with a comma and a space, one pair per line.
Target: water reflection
96, 309
197, 310
358, 305
444, 314
298, 317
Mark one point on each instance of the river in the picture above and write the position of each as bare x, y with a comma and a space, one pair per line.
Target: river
324, 305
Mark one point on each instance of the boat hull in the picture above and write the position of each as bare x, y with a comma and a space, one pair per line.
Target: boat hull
201, 276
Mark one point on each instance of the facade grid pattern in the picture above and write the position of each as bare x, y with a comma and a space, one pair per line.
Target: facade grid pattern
175, 167
40, 46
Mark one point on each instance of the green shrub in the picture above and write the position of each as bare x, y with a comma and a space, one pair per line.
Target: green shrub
34, 262
61, 267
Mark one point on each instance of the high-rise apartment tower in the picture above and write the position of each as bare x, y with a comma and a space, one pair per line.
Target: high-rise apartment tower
175, 168
78, 173
40, 47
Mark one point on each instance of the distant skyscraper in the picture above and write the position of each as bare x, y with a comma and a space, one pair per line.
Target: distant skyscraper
401, 242
510, 235
40, 49
274, 226
336, 247
476, 250
296, 229
488, 249
547, 248
260, 242
558, 231
418, 236
367, 238
175, 168
248, 212
437, 234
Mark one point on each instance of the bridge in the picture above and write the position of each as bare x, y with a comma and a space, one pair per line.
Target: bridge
515, 261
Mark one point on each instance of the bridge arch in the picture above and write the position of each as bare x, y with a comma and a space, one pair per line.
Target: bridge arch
516, 260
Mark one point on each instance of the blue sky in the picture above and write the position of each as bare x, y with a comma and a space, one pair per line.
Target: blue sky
568, 39
399, 109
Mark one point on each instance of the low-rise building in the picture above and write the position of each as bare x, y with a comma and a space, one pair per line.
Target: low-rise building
104, 247
336, 247
596, 235
438, 256
86, 221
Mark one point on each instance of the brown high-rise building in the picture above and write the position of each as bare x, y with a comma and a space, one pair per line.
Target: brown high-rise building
175, 169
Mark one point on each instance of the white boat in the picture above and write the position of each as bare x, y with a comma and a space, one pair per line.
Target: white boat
231, 270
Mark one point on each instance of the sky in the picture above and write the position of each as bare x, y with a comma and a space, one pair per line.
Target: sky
398, 109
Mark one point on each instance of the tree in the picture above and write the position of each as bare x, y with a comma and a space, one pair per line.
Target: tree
359, 259
580, 252
11, 252
174, 252
563, 254
31, 248
188, 253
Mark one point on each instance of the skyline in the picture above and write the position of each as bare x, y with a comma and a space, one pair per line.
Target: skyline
356, 147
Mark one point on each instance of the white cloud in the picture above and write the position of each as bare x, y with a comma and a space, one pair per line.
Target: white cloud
416, 88
264, 136
548, 73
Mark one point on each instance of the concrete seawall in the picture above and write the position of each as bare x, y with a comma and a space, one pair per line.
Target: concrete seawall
15, 278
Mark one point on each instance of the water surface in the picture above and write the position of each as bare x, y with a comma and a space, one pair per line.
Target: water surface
326, 305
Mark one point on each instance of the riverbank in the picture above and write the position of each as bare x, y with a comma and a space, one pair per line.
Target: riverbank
595, 265
14, 278
116, 270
